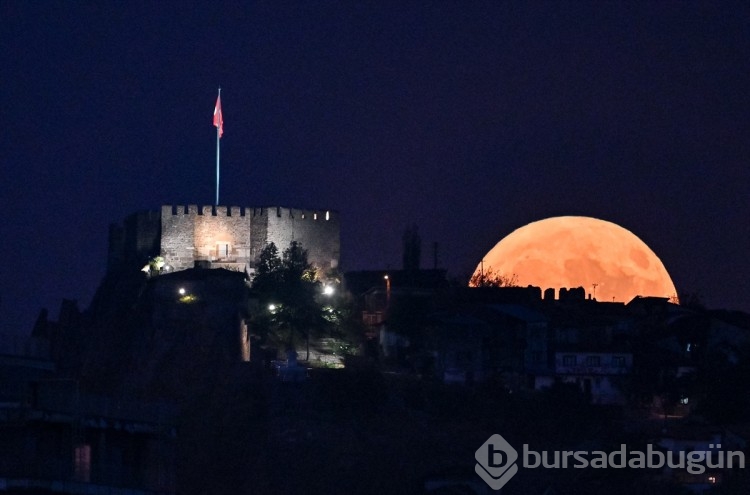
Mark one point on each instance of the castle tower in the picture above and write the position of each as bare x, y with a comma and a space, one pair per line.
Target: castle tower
224, 237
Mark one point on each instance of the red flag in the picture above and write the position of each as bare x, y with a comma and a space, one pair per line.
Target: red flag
218, 120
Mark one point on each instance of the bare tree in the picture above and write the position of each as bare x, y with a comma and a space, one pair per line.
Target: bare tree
490, 278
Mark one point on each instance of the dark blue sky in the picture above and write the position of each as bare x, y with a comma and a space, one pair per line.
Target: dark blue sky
468, 118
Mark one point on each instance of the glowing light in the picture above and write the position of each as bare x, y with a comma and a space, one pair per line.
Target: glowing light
186, 297
271, 308
581, 252
328, 290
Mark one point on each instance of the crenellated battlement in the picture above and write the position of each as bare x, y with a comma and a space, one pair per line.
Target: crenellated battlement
204, 210
241, 211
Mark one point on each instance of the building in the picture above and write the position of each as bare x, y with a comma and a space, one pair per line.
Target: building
222, 237
57, 438
598, 374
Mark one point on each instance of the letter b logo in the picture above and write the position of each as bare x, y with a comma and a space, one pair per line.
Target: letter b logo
496, 462
495, 457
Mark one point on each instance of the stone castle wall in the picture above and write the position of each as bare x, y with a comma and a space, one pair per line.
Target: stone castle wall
234, 237
135, 241
317, 231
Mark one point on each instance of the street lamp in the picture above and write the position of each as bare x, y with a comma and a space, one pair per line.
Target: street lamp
387, 289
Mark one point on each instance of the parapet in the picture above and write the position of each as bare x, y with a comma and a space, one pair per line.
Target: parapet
241, 211
299, 213
572, 294
204, 210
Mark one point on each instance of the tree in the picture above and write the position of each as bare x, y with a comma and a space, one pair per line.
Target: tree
489, 278
267, 271
288, 290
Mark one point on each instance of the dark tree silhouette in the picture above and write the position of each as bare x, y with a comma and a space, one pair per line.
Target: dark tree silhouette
489, 278
288, 291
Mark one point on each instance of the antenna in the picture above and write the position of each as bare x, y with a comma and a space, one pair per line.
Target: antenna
593, 294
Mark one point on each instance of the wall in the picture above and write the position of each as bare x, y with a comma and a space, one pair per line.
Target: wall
317, 231
234, 237
178, 235
134, 241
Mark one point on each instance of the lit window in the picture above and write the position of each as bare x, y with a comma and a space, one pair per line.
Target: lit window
315, 216
223, 249
328, 215
82, 463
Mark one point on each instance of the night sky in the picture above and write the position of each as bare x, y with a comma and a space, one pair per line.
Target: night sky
469, 119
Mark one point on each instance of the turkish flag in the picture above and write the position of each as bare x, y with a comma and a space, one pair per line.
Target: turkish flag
218, 120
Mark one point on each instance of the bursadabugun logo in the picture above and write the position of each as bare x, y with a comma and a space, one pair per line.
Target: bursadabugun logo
496, 461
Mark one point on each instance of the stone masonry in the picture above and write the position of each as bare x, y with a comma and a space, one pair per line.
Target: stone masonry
225, 237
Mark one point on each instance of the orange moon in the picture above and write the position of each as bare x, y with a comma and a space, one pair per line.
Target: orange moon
580, 252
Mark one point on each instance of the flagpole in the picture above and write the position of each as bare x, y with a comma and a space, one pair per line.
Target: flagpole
218, 140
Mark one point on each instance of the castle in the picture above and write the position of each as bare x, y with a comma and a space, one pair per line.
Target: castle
222, 237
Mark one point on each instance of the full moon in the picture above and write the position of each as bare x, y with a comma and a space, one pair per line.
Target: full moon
609, 262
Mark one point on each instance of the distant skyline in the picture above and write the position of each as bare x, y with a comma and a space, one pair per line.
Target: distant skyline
469, 119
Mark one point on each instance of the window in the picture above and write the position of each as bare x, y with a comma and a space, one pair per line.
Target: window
223, 249
536, 356
328, 215
618, 361
593, 361
372, 318
569, 360
82, 463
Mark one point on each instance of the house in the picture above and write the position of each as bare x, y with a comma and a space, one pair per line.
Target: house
723, 454
58, 439
598, 374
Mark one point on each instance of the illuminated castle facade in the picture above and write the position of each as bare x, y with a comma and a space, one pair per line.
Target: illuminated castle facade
222, 237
